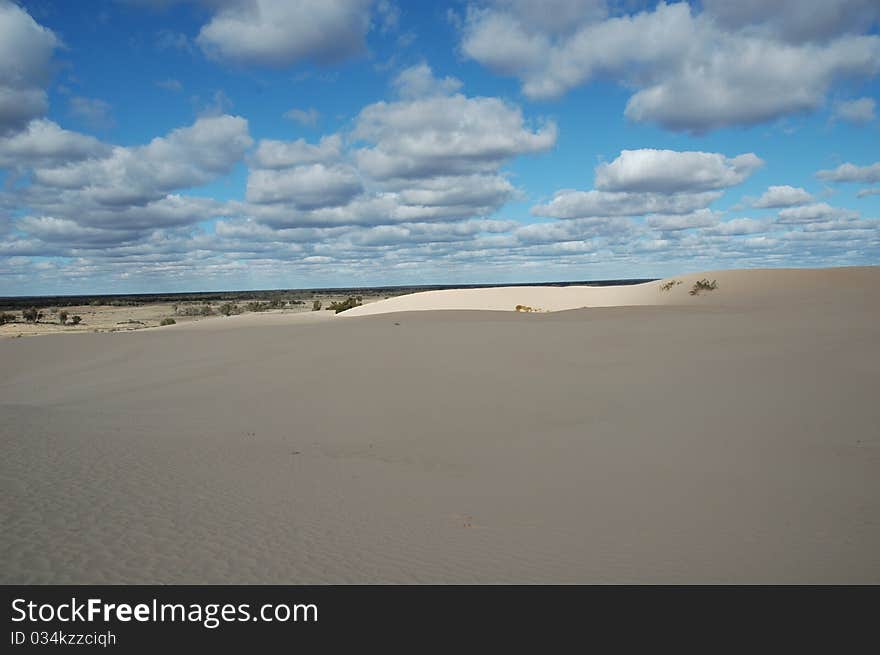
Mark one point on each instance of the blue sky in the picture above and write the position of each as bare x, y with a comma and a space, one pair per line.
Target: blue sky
175, 145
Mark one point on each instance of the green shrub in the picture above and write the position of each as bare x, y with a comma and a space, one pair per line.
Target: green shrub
75, 320
6, 318
666, 286
316, 305
62, 317
167, 321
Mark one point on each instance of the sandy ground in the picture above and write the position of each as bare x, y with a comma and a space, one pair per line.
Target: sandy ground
730, 438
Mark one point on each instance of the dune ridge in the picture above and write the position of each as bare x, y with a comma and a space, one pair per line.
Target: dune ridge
735, 287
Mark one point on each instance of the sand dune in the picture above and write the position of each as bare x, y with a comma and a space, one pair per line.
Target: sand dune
730, 437
734, 287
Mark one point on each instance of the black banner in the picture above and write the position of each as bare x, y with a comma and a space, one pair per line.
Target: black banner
415, 618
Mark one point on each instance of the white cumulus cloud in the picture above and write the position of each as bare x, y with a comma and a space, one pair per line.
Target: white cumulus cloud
783, 196
852, 173
444, 135
668, 171
569, 203
420, 82
820, 211
44, 143
306, 187
25, 55
275, 154
689, 71
280, 33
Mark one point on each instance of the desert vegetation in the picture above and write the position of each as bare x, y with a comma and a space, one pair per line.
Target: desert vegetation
167, 321
703, 285
351, 301
666, 286
32, 315
205, 309
316, 305
277, 298
6, 318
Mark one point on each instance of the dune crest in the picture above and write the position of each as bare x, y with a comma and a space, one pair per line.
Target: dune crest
734, 287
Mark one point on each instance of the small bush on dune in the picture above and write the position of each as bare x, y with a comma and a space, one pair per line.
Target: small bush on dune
316, 305
703, 285
6, 318
346, 304
666, 286
62, 317
75, 320
167, 321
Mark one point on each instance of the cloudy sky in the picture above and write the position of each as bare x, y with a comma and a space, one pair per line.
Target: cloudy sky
175, 145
